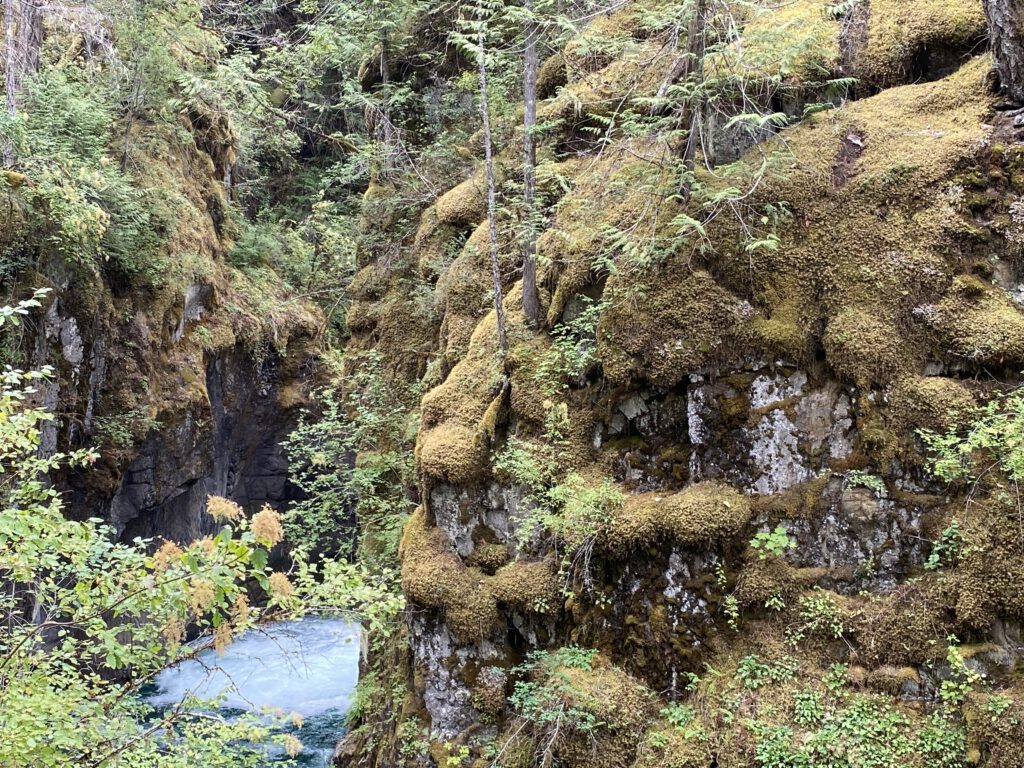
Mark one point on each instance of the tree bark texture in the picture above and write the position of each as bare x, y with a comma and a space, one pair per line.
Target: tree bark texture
531, 302
1006, 30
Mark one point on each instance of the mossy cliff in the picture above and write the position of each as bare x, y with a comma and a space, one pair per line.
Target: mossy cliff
730, 394
181, 370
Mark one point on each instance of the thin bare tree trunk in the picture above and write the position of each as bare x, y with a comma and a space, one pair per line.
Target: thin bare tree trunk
492, 205
10, 74
697, 45
531, 302
1006, 29
30, 37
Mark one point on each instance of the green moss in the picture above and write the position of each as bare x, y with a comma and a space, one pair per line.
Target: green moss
930, 402
701, 514
900, 30
452, 453
368, 284
907, 627
995, 728
527, 586
864, 348
774, 578
433, 576
980, 323
465, 203
617, 702
488, 557
552, 75
795, 42
683, 323
669, 747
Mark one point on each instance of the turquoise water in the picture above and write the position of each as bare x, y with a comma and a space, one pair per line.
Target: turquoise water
309, 666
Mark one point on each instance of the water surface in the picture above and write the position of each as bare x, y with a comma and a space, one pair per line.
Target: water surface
309, 667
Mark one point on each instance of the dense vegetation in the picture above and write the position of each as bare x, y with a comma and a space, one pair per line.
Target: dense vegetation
651, 375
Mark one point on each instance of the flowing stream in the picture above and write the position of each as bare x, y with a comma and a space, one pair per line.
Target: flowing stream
309, 667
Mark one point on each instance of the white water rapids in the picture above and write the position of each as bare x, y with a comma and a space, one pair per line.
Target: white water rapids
309, 667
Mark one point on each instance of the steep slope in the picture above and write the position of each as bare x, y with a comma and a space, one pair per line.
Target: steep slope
721, 491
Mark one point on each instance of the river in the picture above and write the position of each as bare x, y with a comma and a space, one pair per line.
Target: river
309, 666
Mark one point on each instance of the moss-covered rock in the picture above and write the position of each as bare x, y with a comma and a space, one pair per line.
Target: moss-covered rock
433, 576
914, 39
528, 586
680, 324
698, 515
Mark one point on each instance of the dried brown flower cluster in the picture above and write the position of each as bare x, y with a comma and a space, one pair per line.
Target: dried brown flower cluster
223, 510
280, 586
165, 556
266, 526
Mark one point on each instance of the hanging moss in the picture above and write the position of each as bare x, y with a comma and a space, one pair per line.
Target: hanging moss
433, 576
452, 453
533, 587
698, 515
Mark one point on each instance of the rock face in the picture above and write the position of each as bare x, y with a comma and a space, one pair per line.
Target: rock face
742, 430
185, 386
232, 451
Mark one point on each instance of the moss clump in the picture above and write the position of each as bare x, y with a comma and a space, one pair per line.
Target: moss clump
906, 627
465, 203
452, 453
995, 729
435, 244
862, 347
700, 514
368, 284
489, 691
552, 75
990, 569
979, 322
680, 325
527, 586
909, 39
433, 576
773, 578
488, 557
930, 402
785, 334
453, 442
618, 704
611, 192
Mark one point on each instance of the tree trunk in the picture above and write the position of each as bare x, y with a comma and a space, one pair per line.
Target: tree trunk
697, 46
1006, 29
30, 37
10, 73
531, 302
492, 204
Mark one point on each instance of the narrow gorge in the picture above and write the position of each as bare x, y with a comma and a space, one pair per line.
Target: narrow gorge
634, 384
